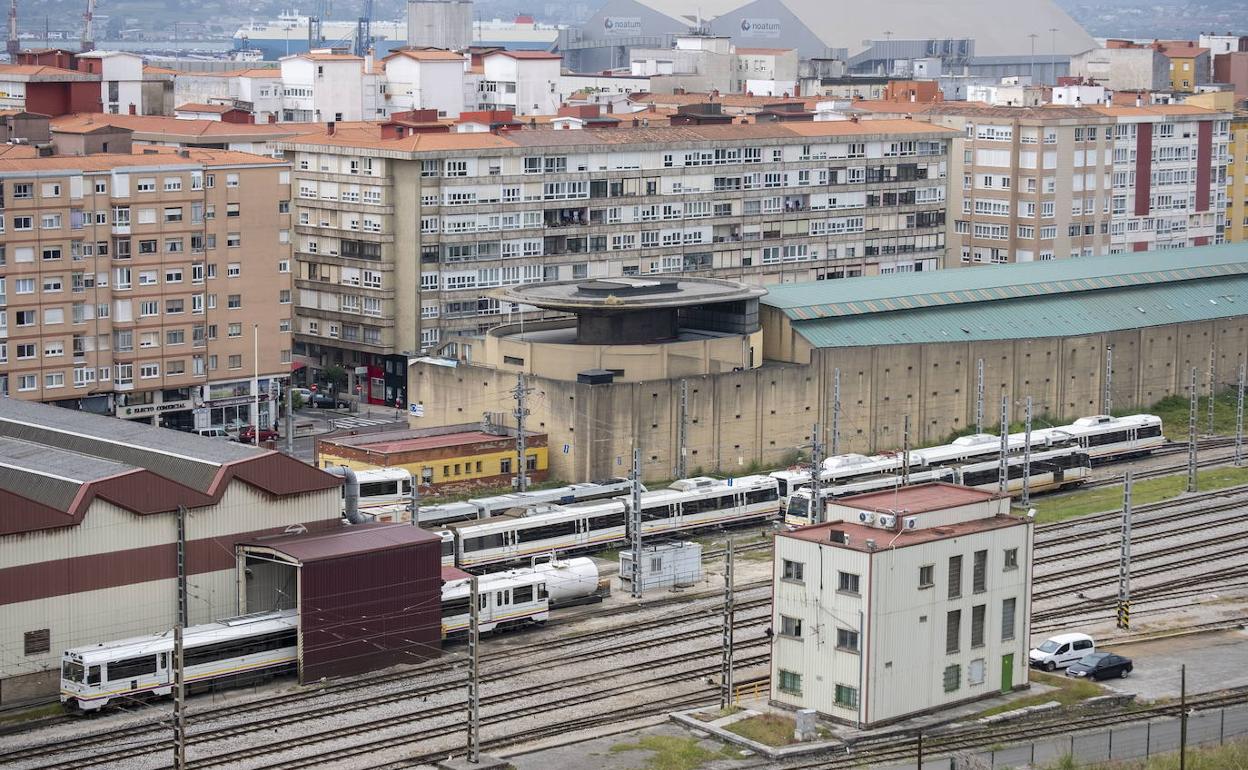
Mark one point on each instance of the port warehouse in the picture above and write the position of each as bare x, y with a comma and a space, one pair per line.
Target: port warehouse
904, 345
88, 538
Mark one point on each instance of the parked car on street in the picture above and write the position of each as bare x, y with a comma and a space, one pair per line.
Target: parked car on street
247, 435
302, 393
1061, 650
326, 401
216, 431
1100, 665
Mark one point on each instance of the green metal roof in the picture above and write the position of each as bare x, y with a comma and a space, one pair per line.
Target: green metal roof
975, 285
1052, 315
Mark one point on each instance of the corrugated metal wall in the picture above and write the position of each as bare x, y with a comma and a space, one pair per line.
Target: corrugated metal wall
368, 611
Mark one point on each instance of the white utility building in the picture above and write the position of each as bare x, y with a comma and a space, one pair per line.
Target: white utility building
903, 602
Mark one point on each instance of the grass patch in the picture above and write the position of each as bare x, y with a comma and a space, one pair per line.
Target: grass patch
1068, 505
1232, 756
1173, 411
672, 752
1070, 691
32, 713
769, 729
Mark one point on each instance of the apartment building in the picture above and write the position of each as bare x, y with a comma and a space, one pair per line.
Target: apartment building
1169, 176
1027, 183
1237, 181
400, 240
321, 85
141, 284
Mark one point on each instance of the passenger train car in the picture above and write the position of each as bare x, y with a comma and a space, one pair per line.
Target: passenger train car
263, 644
686, 505
1051, 469
1107, 438
235, 649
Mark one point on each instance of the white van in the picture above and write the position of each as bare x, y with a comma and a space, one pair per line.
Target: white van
1061, 650
214, 432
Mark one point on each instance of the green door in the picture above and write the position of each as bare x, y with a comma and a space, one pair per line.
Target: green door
1007, 672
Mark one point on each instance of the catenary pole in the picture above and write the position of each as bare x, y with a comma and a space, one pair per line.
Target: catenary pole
836, 412
179, 651
1027, 454
979, 396
1003, 469
816, 471
725, 673
474, 673
1124, 556
521, 412
1239, 418
1191, 435
634, 525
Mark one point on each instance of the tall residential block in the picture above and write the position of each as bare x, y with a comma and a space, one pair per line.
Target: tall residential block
142, 284
401, 238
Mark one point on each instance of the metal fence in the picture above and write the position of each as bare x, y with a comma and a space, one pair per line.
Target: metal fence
1138, 740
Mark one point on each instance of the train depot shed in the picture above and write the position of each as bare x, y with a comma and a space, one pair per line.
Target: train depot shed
368, 596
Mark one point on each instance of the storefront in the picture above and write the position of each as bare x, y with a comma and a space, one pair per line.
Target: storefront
229, 404
174, 408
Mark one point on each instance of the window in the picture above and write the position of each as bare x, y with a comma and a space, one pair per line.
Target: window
955, 577
847, 582
975, 673
846, 696
231, 209
236, 362
978, 614
979, 574
927, 576
790, 682
790, 627
27, 382
145, 185
952, 678
233, 240
1007, 619
173, 214
234, 302
149, 371
233, 270
54, 380
1011, 559
231, 180
792, 570
37, 642
846, 640
953, 631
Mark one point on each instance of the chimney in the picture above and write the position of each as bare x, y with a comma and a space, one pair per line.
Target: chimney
1139, 100
132, 109
272, 118
636, 123
330, 127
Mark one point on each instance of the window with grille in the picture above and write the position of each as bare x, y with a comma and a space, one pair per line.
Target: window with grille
953, 677
846, 696
793, 570
847, 582
1007, 619
927, 576
980, 572
953, 631
37, 642
978, 613
790, 682
1011, 558
955, 577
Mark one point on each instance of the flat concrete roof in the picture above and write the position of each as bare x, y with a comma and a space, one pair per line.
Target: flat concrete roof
629, 293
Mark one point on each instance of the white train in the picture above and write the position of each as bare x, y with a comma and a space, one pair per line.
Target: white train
523, 596
686, 505
385, 495
263, 644
235, 649
1050, 469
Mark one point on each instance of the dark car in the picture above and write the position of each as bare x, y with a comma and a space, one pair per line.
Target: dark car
247, 435
326, 401
1100, 665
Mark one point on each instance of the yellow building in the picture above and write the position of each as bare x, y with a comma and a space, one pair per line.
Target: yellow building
1237, 180
1189, 65
457, 456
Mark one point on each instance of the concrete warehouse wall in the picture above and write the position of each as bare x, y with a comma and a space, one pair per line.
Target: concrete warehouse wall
760, 415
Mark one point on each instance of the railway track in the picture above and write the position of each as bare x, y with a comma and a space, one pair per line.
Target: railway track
903, 748
451, 665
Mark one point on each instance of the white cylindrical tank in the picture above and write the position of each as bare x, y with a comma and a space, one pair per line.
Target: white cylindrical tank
569, 581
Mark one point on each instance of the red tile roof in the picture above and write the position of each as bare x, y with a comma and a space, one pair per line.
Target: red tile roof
857, 535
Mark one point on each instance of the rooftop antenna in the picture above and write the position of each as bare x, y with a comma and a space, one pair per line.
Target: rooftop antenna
14, 47
88, 33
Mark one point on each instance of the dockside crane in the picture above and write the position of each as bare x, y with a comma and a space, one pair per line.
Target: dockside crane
364, 30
